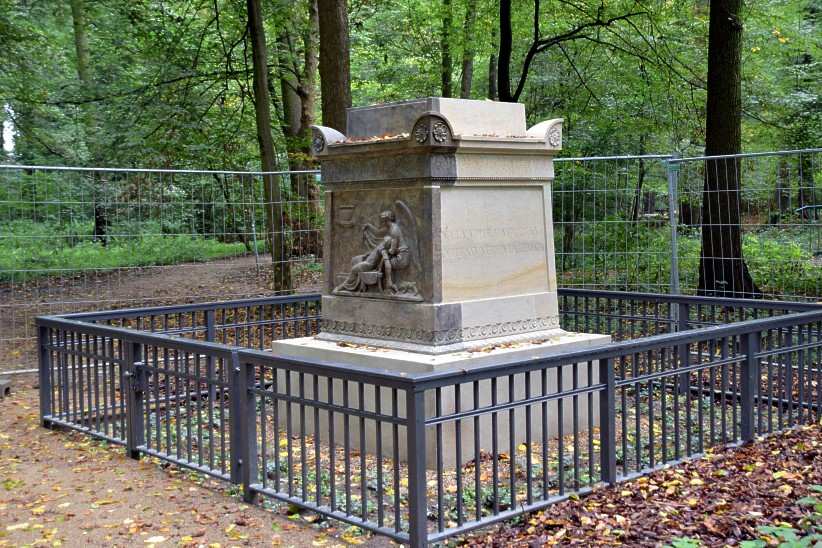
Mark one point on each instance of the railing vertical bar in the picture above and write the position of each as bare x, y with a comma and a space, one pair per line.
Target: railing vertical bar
347, 449
332, 448
177, 393
396, 443
380, 480
289, 445
477, 456
589, 398
529, 476
750, 379
317, 452
575, 417
458, 454
417, 493
303, 448
44, 372
607, 422
363, 470
495, 446
439, 451
512, 443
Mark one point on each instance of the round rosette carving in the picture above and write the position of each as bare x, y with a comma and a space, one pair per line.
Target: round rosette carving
440, 132
432, 130
421, 132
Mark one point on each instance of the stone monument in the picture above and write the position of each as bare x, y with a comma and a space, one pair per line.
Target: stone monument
438, 239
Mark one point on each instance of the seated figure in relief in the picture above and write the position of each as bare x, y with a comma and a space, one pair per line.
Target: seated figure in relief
389, 251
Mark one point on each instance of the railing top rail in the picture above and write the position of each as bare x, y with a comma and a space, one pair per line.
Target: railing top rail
617, 157
746, 155
125, 313
424, 380
613, 350
760, 304
161, 171
137, 336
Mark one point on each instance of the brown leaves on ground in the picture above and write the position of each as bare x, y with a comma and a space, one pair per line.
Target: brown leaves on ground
719, 500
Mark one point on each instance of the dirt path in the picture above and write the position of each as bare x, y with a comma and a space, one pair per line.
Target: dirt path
62, 488
225, 279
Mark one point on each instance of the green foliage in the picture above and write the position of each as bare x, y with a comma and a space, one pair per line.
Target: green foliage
685, 542
170, 82
32, 250
807, 534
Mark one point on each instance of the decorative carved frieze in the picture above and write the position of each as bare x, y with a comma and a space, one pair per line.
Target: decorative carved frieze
448, 336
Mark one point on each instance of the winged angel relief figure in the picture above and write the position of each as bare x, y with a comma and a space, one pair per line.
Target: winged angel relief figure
392, 248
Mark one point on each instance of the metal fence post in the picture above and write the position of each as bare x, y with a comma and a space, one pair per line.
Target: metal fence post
134, 384
44, 372
607, 418
672, 171
417, 490
749, 379
243, 427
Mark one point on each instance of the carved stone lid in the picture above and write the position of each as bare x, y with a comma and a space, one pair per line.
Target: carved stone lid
467, 117
439, 122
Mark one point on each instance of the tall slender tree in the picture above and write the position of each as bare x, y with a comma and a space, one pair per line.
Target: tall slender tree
446, 62
90, 133
262, 116
722, 268
335, 62
468, 41
493, 76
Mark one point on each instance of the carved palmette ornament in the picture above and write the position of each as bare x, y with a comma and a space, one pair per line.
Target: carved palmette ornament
555, 137
431, 129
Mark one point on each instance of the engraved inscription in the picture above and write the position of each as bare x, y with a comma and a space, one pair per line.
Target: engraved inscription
493, 243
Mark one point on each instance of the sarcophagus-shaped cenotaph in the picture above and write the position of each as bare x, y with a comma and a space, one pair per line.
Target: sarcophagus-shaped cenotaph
439, 241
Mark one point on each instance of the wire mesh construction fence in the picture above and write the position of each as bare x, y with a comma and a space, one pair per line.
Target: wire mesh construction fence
89, 239
422, 457
84, 239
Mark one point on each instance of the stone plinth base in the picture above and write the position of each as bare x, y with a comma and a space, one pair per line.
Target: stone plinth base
487, 391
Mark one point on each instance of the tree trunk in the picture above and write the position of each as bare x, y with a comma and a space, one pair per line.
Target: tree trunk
492, 66
722, 268
640, 181
81, 51
335, 64
262, 114
504, 62
298, 90
806, 191
468, 49
447, 67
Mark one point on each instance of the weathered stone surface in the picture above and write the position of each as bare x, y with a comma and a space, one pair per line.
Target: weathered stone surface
461, 191
466, 117
381, 359
494, 242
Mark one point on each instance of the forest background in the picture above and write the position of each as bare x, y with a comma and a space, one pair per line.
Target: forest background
236, 84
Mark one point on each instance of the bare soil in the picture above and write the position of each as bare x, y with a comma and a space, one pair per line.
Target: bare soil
224, 279
64, 488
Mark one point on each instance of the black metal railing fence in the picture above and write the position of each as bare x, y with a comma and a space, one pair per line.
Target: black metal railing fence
423, 457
